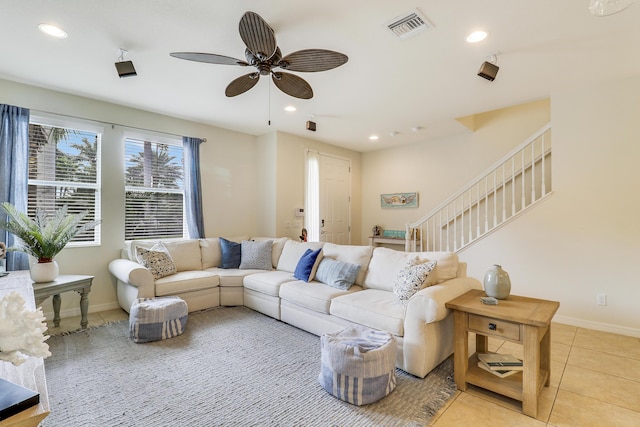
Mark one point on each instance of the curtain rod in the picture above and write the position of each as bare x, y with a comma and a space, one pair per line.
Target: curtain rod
109, 123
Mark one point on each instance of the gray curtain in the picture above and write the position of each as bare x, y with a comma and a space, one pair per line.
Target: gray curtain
14, 171
192, 187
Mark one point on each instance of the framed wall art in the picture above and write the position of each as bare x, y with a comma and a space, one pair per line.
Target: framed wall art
399, 200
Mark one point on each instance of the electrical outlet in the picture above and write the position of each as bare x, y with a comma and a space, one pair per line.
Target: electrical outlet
297, 224
602, 299
287, 224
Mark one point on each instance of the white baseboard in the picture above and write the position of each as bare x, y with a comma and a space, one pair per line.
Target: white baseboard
604, 327
93, 308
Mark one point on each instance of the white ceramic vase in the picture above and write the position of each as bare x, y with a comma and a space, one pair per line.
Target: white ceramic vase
497, 283
42, 272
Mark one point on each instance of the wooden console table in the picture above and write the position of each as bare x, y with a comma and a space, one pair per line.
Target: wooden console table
31, 373
517, 319
81, 284
380, 240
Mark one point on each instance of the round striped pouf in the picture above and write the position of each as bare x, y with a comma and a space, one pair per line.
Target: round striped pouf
155, 319
358, 364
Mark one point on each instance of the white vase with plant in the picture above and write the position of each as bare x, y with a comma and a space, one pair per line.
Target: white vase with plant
43, 237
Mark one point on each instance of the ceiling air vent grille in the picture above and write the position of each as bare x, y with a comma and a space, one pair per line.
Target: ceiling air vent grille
409, 24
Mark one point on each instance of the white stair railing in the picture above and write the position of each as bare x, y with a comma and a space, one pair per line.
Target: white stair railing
518, 181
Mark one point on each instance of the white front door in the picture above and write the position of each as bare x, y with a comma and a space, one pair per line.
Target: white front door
335, 197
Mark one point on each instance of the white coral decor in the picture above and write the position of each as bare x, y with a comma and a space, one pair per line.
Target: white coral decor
21, 331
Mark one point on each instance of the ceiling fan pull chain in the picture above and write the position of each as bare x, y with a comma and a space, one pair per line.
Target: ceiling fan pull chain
269, 102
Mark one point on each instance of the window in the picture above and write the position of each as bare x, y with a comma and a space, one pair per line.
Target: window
64, 169
154, 173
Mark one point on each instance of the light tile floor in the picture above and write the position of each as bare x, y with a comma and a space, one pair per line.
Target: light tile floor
595, 381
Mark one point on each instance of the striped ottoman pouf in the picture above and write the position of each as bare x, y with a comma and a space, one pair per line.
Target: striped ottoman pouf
155, 319
358, 364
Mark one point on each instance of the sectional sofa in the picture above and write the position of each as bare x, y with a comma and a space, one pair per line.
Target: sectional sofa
358, 287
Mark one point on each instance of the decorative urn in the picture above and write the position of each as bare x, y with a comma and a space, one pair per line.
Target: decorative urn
497, 283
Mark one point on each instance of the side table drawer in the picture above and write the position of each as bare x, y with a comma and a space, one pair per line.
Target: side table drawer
495, 327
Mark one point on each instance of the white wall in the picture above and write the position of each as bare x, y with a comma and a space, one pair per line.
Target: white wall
290, 182
585, 239
437, 169
228, 162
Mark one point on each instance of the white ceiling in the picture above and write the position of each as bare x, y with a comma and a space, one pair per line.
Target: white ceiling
388, 84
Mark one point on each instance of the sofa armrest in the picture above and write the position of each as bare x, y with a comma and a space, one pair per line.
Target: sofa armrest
134, 274
428, 304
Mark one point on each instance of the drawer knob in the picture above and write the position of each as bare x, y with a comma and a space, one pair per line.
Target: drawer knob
492, 327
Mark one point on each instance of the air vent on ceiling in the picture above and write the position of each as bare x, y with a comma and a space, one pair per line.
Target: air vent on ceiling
409, 24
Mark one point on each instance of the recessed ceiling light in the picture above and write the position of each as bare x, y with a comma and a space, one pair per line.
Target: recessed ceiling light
374, 137
477, 36
290, 108
53, 31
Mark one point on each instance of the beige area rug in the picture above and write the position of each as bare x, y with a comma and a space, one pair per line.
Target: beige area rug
232, 367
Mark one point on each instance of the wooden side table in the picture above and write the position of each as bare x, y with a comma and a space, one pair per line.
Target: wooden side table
65, 283
517, 319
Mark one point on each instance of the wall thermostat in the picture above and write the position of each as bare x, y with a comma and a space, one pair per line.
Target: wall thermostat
299, 212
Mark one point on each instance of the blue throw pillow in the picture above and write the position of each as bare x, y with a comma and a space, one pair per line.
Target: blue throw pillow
337, 274
231, 253
305, 269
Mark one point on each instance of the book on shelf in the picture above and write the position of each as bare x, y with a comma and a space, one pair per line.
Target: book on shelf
497, 361
15, 398
499, 373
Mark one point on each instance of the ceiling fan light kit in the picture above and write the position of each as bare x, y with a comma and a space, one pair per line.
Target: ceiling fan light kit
124, 68
263, 53
489, 69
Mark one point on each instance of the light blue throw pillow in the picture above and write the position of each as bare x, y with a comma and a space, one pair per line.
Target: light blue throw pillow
231, 253
304, 270
337, 274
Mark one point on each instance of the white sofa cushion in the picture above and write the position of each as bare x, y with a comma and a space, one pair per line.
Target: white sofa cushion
315, 296
351, 254
185, 254
186, 281
373, 308
269, 282
231, 276
386, 263
293, 251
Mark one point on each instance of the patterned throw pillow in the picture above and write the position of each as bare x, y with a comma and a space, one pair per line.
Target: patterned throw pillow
256, 255
159, 263
412, 278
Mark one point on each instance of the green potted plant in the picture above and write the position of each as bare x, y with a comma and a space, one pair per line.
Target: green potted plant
43, 237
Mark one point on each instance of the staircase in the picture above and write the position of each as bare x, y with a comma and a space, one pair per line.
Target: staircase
514, 184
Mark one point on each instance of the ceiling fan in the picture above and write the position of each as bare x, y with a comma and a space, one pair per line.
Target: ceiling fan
263, 53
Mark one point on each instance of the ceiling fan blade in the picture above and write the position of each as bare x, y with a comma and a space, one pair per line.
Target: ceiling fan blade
311, 60
242, 84
211, 58
257, 35
292, 85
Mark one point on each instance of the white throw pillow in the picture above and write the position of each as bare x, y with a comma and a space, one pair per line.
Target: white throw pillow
157, 260
412, 278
